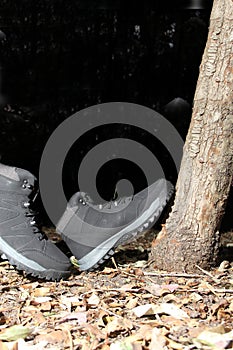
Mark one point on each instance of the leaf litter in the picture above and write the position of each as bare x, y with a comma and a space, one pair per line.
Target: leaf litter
127, 305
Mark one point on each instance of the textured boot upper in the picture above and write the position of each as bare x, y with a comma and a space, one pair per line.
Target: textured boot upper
85, 226
19, 234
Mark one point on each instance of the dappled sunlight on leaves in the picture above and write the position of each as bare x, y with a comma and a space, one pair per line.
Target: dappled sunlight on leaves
128, 306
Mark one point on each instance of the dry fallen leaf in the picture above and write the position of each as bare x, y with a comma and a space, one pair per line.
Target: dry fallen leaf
174, 345
32, 285
217, 341
158, 340
223, 266
164, 308
132, 303
94, 300
81, 317
161, 289
125, 345
40, 300
15, 332
99, 322
41, 292
118, 325
55, 337
22, 345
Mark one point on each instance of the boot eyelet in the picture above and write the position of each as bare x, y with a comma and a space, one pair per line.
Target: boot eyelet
80, 200
24, 186
25, 181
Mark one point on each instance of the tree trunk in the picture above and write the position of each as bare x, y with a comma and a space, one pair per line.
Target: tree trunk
190, 236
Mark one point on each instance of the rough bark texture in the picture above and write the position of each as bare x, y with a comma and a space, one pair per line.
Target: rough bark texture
190, 236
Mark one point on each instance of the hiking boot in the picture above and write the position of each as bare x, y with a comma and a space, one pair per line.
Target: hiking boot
92, 232
21, 242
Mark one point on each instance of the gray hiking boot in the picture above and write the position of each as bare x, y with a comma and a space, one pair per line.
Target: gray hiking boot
21, 242
92, 232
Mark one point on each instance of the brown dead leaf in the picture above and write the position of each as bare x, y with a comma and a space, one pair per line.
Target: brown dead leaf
55, 337
174, 345
172, 321
40, 300
22, 345
146, 296
81, 317
32, 285
223, 266
224, 314
118, 325
115, 304
144, 332
35, 313
203, 310
194, 332
93, 331
71, 301
94, 300
168, 298
155, 289
163, 308
46, 306
43, 303
128, 286
191, 283
158, 340
41, 292
105, 347
222, 303
195, 297
109, 270
132, 303
125, 344
214, 340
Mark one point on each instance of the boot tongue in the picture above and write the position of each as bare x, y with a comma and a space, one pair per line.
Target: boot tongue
25, 175
28, 181
79, 197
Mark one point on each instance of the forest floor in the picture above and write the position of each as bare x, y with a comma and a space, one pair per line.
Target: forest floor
127, 305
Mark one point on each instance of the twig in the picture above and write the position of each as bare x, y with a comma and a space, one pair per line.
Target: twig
110, 312
119, 290
139, 278
186, 275
114, 263
208, 274
223, 290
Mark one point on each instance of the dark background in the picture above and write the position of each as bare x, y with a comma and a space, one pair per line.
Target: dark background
60, 56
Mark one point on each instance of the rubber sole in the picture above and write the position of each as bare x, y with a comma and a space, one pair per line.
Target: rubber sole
29, 266
103, 252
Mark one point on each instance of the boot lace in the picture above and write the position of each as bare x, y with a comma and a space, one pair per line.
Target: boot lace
32, 214
86, 199
116, 203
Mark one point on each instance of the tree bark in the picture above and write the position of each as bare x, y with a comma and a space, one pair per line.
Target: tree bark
190, 236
